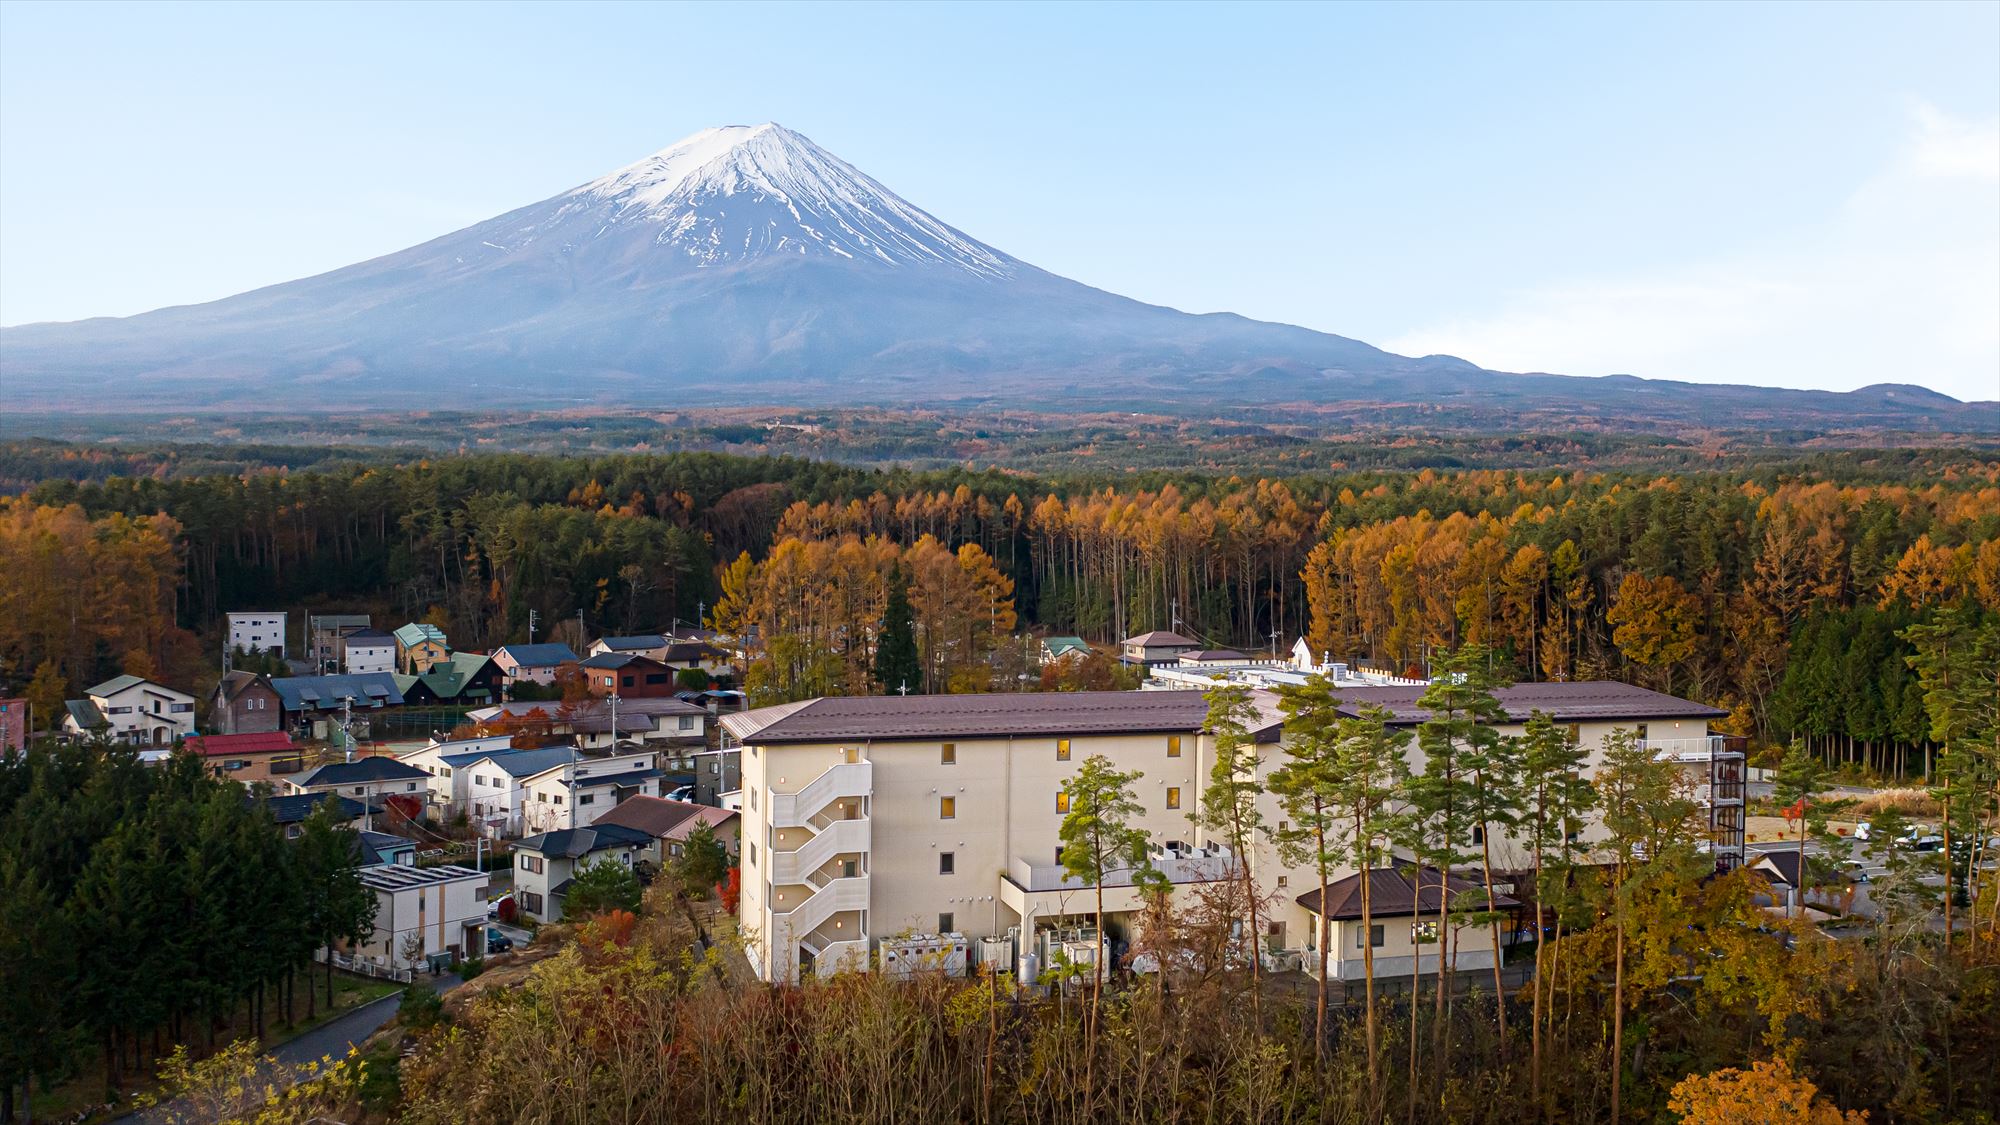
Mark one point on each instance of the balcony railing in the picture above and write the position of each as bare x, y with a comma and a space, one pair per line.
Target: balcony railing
1188, 868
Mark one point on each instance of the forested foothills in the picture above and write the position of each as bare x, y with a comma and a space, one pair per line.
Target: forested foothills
1782, 593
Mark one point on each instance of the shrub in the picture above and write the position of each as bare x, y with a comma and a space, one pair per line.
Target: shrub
421, 1007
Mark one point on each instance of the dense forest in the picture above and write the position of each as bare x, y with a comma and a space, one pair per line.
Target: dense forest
1780, 592
146, 905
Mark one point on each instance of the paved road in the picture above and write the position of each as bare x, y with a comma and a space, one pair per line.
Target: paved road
330, 1039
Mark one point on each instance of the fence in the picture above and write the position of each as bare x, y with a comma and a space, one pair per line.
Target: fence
364, 968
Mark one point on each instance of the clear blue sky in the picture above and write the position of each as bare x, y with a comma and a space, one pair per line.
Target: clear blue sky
1796, 195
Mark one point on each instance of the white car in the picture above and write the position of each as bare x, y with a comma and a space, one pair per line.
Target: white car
493, 908
684, 793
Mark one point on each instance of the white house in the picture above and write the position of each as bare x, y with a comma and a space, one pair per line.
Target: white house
132, 709
440, 760
367, 650
494, 793
368, 780
257, 631
424, 911
573, 794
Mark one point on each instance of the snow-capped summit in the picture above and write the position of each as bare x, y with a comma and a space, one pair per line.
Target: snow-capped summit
742, 191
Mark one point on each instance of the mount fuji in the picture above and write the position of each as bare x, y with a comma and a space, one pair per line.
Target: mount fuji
744, 264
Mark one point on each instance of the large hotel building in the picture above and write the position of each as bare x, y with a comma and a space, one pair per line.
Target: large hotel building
877, 825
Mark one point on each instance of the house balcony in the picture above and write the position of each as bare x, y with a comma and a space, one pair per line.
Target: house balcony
846, 781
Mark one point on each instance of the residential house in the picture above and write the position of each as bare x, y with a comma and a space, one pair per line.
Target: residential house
319, 703
289, 810
380, 849
13, 724
370, 780
1056, 648
254, 632
545, 864
599, 724
1156, 647
248, 758
965, 795
717, 772
323, 634
460, 679
440, 760
573, 793
132, 709
669, 824
245, 703
418, 647
424, 913
1403, 925
653, 646
366, 651
532, 664
699, 655
628, 675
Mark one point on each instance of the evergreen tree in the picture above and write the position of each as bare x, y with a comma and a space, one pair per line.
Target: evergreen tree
600, 887
1229, 805
703, 862
898, 670
1799, 779
1557, 799
1098, 837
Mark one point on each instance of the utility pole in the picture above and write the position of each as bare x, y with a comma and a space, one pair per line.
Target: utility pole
1274, 644
1175, 609
614, 720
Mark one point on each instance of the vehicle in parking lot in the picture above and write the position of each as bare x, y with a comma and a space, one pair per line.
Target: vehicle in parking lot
684, 793
497, 942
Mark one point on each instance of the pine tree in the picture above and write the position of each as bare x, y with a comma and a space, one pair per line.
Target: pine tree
1229, 805
1557, 798
898, 670
1098, 837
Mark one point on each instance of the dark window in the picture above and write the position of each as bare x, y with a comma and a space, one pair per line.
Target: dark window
656, 677
945, 923
629, 681
947, 863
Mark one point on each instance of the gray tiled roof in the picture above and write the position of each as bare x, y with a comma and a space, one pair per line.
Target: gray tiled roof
997, 715
1582, 701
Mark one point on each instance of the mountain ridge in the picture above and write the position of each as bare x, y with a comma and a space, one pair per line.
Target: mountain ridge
747, 259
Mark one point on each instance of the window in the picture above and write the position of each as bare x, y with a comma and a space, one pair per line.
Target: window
1284, 880
752, 845
532, 863
753, 800
948, 754
1062, 749
531, 902
656, 677
1642, 732
947, 863
1375, 937
1478, 834
947, 808
627, 681
182, 708
1062, 801
587, 799
559, 798
1173, 746
945, 923
236, 764
1173, 796
687, 722
1575, 733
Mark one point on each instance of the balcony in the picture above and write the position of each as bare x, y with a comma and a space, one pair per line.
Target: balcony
1199, 866
1712, 747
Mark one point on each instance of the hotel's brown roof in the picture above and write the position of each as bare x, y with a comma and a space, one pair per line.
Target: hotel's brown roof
887, 718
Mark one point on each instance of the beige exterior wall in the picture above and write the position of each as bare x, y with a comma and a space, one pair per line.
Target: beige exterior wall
1004, 793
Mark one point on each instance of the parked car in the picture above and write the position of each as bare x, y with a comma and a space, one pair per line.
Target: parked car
493, 908
497, 942
684, 793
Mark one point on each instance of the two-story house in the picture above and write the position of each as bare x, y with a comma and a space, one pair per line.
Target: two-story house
366, 650
424, 913
573, 794
650, 645
537, 664
627, 675
248, 758
245, 703
418, 647
545, 864
132, 709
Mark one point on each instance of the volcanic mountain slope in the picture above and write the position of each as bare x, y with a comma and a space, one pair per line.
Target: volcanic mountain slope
748, 263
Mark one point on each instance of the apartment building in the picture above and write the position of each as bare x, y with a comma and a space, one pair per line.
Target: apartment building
257, 631
867, 820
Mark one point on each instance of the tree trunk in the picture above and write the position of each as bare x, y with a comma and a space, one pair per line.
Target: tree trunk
1618, 1022
1367, 978
1499, 991
1319, 1009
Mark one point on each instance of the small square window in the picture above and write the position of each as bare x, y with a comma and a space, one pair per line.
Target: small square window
1173, 796
947, 808
945, 925
1284, 880
1062, 801
1478, 835
1173, 746
1375, 937
1062, 749
947, 863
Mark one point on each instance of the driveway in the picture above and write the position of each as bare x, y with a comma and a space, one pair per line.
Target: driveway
330, 1039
